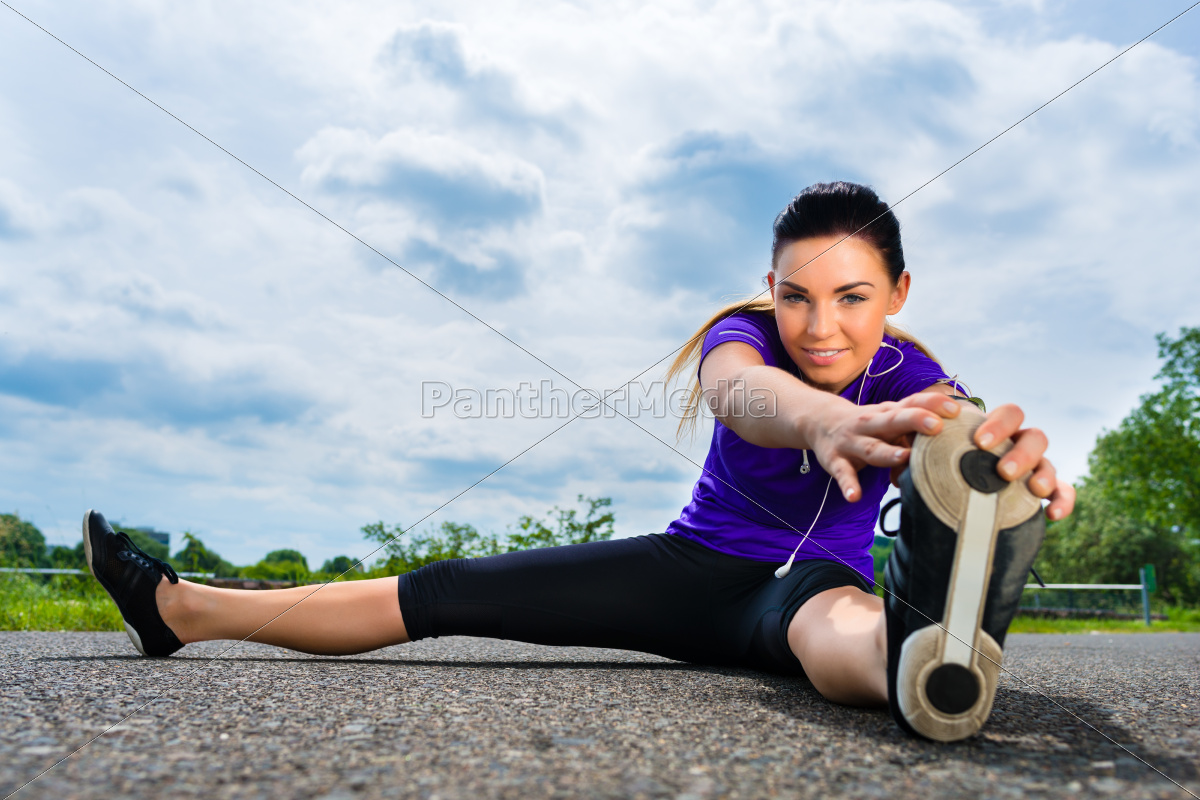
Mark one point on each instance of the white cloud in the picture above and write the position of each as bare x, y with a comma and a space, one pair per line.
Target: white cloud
19, 217
355, 160
591, 181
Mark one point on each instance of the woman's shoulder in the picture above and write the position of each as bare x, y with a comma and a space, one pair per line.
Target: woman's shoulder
755, 328
759, 321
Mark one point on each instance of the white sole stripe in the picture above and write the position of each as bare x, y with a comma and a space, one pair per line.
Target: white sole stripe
968, 585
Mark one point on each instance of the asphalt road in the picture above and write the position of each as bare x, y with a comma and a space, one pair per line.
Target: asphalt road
471, 718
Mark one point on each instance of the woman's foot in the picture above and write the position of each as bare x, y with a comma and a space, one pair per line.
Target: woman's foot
966, 543
131, 578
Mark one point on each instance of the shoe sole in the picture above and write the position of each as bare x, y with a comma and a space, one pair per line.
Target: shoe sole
87, 554
947, 675
87, 540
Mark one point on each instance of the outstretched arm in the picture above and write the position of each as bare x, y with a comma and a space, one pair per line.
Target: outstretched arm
769, 407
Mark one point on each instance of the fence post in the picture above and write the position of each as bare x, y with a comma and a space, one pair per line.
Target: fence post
1145, 595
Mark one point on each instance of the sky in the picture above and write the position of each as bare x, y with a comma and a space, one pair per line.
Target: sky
451, 199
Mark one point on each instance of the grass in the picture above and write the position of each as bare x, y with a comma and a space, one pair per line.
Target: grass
78, 603
1179, 620
62, 603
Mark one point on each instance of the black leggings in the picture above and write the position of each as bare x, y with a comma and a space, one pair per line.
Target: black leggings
659, 593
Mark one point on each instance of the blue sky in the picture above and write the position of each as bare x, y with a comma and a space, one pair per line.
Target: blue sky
184, 346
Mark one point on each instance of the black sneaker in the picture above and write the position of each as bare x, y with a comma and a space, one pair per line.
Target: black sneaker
131, 578
966, 543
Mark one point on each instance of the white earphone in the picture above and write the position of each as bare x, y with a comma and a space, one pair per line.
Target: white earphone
783, 571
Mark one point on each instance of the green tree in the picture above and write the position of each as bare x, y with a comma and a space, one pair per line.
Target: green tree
565, 527
277, 571
62, 557
340, 564
1101, 543
1150, 465
195, 557
285, 556
279, 565
1140, 503
406, 551
21, 543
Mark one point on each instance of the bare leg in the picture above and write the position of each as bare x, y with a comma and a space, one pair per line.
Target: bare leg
337, 619
840, 636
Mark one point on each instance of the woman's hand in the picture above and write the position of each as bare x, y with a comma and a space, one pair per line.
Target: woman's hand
881, 435
849, 437
1026, 458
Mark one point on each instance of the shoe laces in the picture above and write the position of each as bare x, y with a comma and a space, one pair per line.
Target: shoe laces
146, 562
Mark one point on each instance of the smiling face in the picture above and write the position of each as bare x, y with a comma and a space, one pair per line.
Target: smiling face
831, 313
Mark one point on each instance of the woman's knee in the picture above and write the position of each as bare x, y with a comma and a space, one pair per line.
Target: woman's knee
839, 638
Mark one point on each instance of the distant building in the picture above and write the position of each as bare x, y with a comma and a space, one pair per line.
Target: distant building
158, 536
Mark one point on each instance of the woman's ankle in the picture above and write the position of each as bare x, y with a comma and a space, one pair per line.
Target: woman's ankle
177, 605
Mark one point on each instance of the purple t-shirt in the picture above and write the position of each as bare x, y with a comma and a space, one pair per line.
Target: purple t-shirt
722, 518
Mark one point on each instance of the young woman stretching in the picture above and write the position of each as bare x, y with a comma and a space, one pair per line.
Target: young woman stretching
816, 400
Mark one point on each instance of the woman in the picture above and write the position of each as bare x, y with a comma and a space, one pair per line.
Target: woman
810, 387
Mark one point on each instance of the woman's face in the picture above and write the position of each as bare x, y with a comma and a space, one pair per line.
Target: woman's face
831, 313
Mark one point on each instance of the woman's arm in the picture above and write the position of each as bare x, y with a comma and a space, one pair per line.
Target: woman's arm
769, 407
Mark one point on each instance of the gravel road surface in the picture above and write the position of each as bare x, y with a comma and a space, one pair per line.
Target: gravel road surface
477, 718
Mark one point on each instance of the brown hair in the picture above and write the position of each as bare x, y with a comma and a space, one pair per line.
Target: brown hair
822, 210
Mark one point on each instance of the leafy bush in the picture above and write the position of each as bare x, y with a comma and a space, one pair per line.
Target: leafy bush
195, 557
567, 527
406, 551
64, 602
285, 556
62, 557
1102, 543
881, 551
21, 543
276, 571
339, 565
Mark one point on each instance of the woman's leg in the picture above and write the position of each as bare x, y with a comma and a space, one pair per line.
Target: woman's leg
840, 637
335, 619
646, 593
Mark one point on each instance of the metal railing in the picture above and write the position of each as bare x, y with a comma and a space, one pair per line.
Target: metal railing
1146, 586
